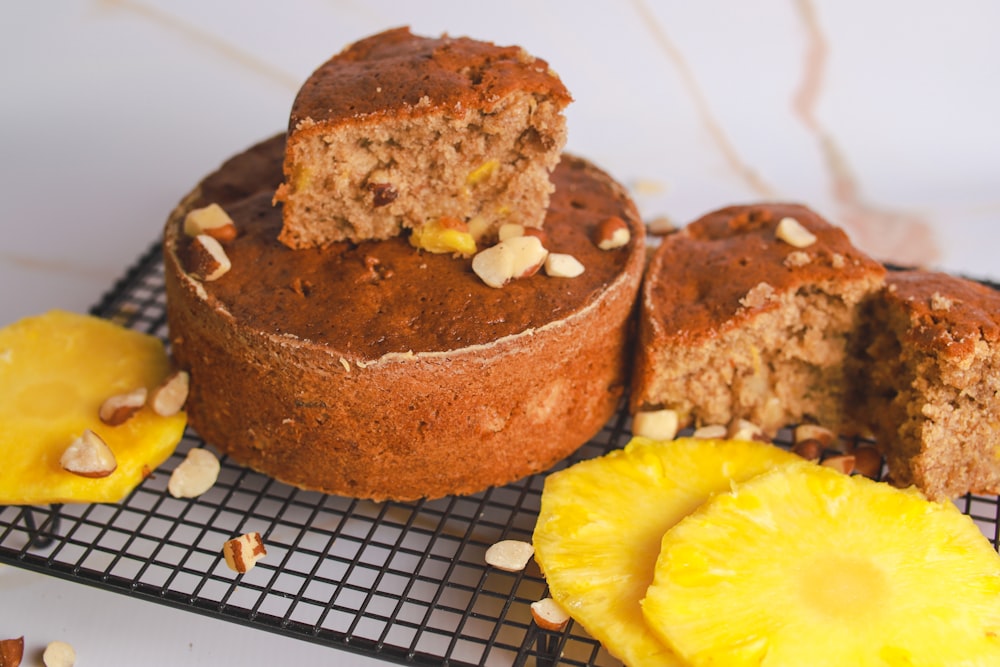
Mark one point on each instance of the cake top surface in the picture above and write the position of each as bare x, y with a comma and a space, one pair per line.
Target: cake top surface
728, 265
374, 298
947, 314
397, 73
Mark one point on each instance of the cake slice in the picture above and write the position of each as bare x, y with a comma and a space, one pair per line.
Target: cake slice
934, 357
749, 313
400, 131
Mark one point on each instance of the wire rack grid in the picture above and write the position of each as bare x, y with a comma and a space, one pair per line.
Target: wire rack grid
404, 582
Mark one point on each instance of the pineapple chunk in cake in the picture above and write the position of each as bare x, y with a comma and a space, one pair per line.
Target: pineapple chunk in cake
57, 370
806, 566
601, 522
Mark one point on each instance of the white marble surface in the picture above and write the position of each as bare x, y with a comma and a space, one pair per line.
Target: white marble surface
881, 115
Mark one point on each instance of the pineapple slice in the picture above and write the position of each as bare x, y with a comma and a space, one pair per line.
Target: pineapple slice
56, 369
601, 522
807, 566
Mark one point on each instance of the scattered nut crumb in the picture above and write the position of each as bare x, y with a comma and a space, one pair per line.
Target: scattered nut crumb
516, 257
89, 456
838, 261
118, 409
793, 233
510, 555
206, 259
823, 435
59, 654
648, 186
169, 398
661, 225
656, 424
743, 429
868, 461
843, 463
243, 552
612, 233
810, 450
548, 615
211, 220
561, 265
11, 652
710, 432
195, 475
510, 230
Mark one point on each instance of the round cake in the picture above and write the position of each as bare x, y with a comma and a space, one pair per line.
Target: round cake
376, 370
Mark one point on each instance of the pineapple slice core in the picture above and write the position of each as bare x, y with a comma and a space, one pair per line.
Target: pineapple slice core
55, 371
803, 565
601, 522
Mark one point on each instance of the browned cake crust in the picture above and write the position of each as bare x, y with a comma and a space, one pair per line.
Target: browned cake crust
934, 360
379, 371
738, 324
398, 130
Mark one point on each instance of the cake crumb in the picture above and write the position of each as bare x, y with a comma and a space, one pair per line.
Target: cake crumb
837, 261
758, 296
797, 259
940, 302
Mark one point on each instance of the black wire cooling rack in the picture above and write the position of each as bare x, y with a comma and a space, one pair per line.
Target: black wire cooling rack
404, 582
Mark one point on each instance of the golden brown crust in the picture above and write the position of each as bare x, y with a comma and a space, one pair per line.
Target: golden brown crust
374, 396
700, 276
396, 73
736, 323
934, 374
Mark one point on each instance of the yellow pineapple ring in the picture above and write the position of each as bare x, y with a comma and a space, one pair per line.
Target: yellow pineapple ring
55, 371
807, 566
601, 522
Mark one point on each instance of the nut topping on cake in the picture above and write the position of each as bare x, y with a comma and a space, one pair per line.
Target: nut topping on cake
794, 234
212, 220
612, 233
206, 259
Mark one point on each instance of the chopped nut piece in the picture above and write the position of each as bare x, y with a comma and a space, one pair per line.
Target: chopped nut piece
842, 463
710, 432
206, 259
538, 233
561, 265
510, 555
243, 552
794, 234
824, 435
612, 233
211, 220
661, 226
655, 424
383, 194
89, 456
195, 475
867, 461
169, 398
59, 654
742, 429
549, 615
517, 257
509, 230
117, 409
811, 450
11, 652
